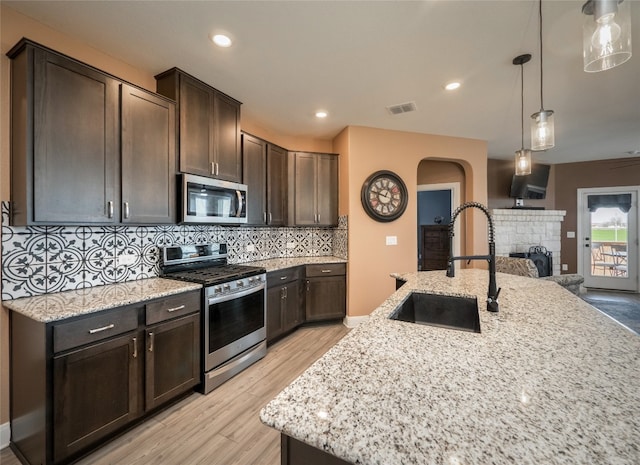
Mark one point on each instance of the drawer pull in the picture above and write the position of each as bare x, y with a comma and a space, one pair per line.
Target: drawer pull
104, 328
326, 271
175, 309
282, 278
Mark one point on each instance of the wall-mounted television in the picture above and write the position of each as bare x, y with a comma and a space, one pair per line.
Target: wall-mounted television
531, 186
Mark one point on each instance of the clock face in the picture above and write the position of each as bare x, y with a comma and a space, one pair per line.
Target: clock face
384, 196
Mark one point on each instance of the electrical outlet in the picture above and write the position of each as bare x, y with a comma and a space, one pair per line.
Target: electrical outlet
125, 259
251, 248
565, 267
571, 234
392, 240
291, 245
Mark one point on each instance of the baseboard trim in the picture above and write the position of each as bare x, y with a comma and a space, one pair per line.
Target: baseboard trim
353, 321
5, 435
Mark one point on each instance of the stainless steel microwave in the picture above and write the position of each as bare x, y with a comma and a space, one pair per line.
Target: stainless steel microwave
212, 201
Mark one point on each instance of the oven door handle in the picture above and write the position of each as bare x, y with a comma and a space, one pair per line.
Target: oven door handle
212, 300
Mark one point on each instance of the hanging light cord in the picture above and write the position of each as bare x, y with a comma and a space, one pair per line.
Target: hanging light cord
540, 16
522, 105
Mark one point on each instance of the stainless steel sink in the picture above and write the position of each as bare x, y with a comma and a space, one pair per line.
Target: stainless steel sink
440, 310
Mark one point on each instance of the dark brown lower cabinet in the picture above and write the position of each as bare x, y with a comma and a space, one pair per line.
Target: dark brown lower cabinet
94, 393
284, 306
172, 359
294, 452
326, 289
77, 382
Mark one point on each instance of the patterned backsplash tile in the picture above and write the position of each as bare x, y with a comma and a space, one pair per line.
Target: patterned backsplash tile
43, 259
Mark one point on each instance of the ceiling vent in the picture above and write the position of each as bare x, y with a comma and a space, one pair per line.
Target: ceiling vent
402, 108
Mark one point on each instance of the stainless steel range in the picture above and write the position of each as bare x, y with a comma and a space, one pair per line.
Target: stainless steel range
234, 300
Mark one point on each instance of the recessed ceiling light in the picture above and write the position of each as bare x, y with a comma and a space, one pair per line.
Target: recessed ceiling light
221, 40
452, 85
321, 114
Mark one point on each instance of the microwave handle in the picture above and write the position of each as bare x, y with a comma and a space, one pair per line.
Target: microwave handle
240, 204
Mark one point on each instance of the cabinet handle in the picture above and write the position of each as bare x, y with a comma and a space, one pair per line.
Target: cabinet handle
175, 309
150, 342
269, 217
282, 278
318, 218
104, 328
286, 292
110, 209
126, 210
213, 168
217, 169
326, 271
264, 215
308, 283
135, 347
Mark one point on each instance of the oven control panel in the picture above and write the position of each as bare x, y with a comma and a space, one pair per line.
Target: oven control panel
237, 286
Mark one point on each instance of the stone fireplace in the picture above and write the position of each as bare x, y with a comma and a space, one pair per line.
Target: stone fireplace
518, 229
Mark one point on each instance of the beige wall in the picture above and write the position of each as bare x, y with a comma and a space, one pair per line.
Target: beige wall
365, 150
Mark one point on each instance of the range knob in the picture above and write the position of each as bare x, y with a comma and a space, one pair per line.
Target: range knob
217, 289
227, 287
251, 279
240, 283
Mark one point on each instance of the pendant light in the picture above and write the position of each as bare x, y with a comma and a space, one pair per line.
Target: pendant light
542, 130
606, 34
523, 156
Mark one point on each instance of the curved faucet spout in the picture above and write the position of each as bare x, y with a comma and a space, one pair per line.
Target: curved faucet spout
492, 294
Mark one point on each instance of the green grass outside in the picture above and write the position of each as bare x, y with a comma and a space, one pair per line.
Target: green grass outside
608, 235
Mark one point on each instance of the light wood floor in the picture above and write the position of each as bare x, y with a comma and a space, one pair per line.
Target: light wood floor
222, 427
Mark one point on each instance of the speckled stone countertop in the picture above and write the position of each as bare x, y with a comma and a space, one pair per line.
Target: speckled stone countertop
58, 306
275, 264
549, 380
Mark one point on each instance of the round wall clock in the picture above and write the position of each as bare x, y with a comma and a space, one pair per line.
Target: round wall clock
384, 196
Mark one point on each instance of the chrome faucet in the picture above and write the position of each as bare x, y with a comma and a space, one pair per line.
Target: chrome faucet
492, 294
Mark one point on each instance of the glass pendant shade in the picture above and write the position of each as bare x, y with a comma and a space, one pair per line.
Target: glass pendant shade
606, 34
523, 162
542, 131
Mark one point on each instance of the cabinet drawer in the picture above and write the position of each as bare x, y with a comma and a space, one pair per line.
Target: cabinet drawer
94, 328
172, 307
287, 275
327, 269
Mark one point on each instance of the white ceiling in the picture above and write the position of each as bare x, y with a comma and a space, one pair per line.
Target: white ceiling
355, 58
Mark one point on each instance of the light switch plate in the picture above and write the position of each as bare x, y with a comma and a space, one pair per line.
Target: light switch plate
565, 267
291, 245
571, 234
126, 259
392, 240
251, 248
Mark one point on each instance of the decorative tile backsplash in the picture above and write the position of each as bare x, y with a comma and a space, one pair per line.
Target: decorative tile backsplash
43, 259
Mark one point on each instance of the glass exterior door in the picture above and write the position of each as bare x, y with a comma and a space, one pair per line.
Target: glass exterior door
609, 230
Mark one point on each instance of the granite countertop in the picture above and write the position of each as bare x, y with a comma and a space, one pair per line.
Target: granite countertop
58, 306
549, 380
275, 264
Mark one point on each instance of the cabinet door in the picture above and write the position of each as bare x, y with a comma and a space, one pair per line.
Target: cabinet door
254, 160
292, 314
196, 127
75, 142
275, 296
172, 359
276, 185
305, 189
148, 157
327, 190
325, 298
94, 393
227, 138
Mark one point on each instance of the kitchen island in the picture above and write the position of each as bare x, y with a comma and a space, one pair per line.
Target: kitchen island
549, 380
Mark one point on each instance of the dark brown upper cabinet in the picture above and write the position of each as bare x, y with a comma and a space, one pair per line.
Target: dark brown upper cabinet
313, 180
208, 126
66, 134
265, 172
